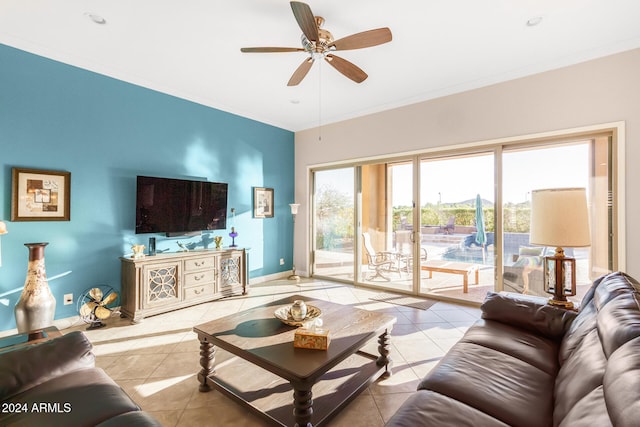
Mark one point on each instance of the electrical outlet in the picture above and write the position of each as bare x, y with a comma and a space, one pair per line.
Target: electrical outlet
68, 299
281, 261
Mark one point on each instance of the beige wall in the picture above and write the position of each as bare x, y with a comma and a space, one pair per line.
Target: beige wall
595, 92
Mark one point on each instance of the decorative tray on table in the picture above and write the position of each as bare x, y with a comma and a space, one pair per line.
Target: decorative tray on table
284, 315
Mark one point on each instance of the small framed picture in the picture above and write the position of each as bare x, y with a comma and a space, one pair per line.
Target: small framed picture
262, 202
40, 195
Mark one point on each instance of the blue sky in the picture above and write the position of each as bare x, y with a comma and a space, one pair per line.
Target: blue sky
451, 180
458, 179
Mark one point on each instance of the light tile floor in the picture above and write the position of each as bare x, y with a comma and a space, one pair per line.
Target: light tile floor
156, 361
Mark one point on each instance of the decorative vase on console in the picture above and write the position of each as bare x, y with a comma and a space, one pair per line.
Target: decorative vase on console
37, 306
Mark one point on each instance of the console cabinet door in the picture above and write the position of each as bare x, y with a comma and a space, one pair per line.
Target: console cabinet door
231, 273
161, 284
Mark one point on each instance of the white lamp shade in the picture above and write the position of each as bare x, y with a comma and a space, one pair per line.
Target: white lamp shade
294, 208
3, 228
560, 217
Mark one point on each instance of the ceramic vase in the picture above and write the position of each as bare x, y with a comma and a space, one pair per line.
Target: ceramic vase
37, 306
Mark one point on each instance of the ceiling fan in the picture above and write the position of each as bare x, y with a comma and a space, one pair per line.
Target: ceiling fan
318, 42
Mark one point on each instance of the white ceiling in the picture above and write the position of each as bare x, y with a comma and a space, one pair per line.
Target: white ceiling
191, 48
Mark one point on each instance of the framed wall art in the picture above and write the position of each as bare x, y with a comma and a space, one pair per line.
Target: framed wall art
40, 195
262, 202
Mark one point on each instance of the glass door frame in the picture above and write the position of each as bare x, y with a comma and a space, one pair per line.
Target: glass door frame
493, 151
388, 208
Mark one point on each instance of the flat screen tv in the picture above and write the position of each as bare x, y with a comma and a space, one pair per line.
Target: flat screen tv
179, 206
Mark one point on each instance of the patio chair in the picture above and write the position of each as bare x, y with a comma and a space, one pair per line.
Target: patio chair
450, 226
379, 262
407, 260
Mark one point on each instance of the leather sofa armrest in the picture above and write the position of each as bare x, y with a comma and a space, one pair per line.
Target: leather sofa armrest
28, 366
533, 314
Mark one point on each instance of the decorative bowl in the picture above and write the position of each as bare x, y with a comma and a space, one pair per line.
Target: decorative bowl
284, 315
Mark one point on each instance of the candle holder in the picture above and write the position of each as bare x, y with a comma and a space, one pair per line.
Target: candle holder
233, 236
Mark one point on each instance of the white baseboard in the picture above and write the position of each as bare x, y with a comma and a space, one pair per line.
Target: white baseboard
269, 277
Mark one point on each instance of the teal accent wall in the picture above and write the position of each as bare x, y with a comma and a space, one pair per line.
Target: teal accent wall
106, 132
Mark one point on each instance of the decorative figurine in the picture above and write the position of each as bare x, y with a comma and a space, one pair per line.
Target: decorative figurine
218, 240
298, 310
138, 251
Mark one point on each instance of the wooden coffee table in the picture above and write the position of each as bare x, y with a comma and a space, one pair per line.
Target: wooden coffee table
263, 368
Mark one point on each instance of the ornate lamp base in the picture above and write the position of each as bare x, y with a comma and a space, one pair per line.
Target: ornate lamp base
559, 273
561, 303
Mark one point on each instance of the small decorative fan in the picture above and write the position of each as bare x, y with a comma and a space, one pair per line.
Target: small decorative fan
97, 304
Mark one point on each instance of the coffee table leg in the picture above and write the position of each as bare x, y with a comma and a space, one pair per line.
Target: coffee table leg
384, 360
302, 406
207, 359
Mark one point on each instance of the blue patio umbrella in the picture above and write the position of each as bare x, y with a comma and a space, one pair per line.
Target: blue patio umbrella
481, 234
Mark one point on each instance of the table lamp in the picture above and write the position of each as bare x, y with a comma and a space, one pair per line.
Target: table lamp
560, 218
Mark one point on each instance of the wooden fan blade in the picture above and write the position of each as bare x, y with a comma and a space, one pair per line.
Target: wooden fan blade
102, 313
347, 68
301, 72
96, 294
109, 298
363, 39
270, 49
306, 20
87, 308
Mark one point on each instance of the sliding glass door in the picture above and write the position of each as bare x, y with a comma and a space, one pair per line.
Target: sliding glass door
387, 218
580, 164
457, 232
456, 226
333, 231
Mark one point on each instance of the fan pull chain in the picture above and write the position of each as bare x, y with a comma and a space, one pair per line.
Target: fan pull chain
320, 101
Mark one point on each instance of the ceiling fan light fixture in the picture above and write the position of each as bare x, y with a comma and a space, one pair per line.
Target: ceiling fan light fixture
320, 44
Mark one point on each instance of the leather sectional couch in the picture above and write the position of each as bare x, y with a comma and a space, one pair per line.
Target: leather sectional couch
56, 383
526, 363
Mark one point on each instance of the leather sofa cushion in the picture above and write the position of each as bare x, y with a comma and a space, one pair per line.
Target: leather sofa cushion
595, 355
91, 397
621, 384
590, 411
580, 374
428, 408
532, 314
529, 347
502, 386
611, 286
31, 365
583, 324
619, 322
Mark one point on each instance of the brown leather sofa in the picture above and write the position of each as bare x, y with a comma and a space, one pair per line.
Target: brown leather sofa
526, 363
56, 383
